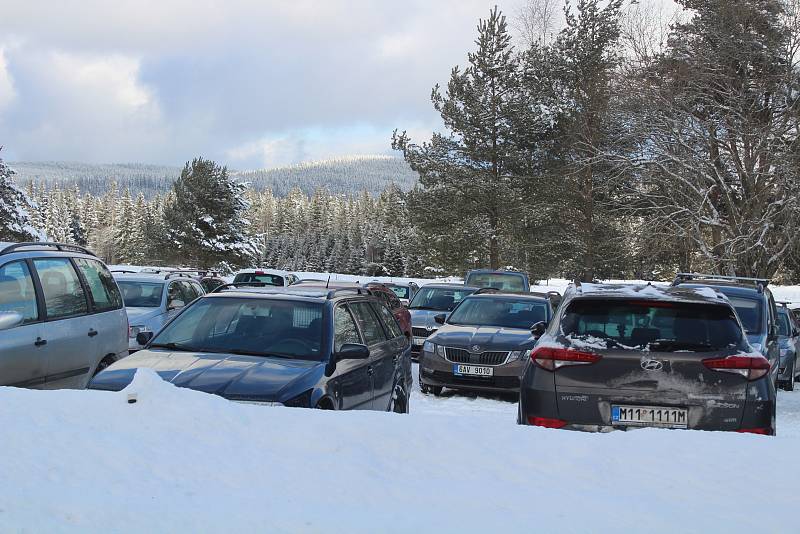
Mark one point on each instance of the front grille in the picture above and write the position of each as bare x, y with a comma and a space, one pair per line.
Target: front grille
457, 355
510, 382
421, 332
493, 358
484, 358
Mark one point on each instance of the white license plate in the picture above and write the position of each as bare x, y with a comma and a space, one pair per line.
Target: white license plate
649, 416
472, 370
419, 341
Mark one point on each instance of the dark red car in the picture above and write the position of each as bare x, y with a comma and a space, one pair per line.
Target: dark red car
399, 311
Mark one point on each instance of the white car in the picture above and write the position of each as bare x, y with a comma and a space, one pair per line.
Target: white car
272, 277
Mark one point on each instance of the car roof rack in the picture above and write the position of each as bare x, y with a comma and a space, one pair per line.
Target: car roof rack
45, 245
219, 289
357, 290
178, 274
680, 278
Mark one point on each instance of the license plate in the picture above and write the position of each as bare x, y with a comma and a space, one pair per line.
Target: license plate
419, 341
649, 416
472, 370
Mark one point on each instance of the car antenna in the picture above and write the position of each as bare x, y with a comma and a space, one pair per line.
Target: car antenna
328, 282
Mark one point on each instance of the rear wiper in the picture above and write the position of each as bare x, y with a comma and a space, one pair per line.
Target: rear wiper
173, 346
668, 345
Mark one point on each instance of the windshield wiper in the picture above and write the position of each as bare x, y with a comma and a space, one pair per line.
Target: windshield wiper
243, 352
173, 346
424, 308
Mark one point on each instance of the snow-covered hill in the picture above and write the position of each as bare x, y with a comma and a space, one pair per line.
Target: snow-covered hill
351, 174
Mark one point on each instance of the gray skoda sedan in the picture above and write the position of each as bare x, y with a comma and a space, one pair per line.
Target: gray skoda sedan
623, 357
483, 344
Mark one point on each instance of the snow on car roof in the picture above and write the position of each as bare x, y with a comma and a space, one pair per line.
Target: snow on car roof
648, 291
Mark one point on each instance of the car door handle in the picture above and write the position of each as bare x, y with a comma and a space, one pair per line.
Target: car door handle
39, 342
92, 332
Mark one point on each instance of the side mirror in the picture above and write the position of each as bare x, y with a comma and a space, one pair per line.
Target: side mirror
353, 351
143, 338
538, 329
175, 304
9, 320
440, 319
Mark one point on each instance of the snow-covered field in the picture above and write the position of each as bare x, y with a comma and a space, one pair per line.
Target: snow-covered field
184, 461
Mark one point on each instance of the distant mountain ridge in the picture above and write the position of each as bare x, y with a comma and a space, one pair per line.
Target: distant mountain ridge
343, 175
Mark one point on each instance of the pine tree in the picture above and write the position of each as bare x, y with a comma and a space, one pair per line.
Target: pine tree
15, 210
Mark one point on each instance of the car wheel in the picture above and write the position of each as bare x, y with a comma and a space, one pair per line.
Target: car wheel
102, 366
789, 385
399, 403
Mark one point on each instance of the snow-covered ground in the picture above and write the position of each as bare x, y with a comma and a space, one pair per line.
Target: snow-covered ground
184, 461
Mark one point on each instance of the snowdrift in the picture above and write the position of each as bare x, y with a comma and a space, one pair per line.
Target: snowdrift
179, 460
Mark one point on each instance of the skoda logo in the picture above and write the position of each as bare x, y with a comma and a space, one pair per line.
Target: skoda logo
476, 348
429, 328
652, 365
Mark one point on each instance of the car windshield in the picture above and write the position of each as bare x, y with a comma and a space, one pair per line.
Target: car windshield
654, 325
438, 299
505, 282
141, 294
269, 279
503, 312
749, 312
400, 291
258, 327
784, 326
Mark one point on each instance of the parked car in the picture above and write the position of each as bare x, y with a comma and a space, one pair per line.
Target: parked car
483, 344
272, 277
498, 279
378, 289
624, 357
789, 343
754, 305
430, 301
405, 292
61, 316
298, 346
152, 299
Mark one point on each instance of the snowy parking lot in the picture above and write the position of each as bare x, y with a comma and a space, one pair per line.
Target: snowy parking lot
180, 460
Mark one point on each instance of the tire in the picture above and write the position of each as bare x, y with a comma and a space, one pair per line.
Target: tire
789, 385
102, 366
399, 402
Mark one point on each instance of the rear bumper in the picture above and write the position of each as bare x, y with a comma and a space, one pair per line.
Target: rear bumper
590, 409
436, 371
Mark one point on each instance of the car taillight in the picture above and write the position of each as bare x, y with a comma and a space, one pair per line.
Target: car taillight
751, 366
764, 431
546, 422
552, 358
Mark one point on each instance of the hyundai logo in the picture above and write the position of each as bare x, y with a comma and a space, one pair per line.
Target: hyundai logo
476, 348
652, 365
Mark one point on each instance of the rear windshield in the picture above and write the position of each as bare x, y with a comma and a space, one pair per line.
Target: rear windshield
502, 312
257, 327
141, 294
657, 326
400, 291
438, 299
506, 282
269, 279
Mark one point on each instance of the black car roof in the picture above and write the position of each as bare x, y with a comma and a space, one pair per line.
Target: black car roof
509, 295
447, 285
688, 293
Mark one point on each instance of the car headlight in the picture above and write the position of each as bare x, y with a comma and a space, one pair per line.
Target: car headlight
433, 348
133, 331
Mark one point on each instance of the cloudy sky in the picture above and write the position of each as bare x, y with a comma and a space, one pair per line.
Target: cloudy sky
248, 83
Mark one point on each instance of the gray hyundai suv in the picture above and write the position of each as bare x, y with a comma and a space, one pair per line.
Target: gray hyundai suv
623, 357
61, 316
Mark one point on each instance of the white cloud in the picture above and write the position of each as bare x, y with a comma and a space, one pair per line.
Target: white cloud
7, 92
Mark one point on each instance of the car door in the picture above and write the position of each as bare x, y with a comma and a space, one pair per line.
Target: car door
380, 358
355, 381
108, 319
71, 347
397, 363
23, 360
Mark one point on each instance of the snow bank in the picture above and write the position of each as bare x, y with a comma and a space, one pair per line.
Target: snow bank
183, 461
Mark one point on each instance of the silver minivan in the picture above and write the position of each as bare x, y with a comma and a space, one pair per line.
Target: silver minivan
61, 316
